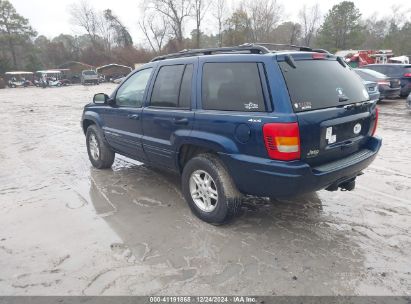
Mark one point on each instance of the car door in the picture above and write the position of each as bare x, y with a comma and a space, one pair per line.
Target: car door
168, 113
122, 120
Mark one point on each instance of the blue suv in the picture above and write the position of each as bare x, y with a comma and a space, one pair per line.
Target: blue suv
239, 121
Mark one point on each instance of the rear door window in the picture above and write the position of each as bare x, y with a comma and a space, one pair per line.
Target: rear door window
172, 88
319, 84
167, 86
232, 87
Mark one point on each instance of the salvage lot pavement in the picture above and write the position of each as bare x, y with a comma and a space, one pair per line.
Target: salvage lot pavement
68, 229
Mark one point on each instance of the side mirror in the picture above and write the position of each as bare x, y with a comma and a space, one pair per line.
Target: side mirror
100, 98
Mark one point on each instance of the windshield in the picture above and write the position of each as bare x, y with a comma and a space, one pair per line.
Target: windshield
319, 84
89, 73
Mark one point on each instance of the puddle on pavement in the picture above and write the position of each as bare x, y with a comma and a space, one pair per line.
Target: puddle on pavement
272, 245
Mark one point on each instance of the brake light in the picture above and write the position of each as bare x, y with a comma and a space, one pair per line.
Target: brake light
319, 56
407, 75
282, 140
374, 128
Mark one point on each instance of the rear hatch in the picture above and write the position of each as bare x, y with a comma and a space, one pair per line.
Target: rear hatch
332, 105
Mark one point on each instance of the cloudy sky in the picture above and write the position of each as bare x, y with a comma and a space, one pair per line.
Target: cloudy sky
51, 17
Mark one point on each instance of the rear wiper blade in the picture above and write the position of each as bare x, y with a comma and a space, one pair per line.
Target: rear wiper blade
343, 98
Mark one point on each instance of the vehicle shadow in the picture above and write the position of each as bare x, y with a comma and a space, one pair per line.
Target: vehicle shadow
267, 248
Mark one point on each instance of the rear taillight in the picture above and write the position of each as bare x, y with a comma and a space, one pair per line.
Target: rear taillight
282, 140
384, 82
374, 128
407, 75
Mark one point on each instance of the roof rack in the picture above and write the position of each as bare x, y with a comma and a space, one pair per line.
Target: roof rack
251, 48
301, 48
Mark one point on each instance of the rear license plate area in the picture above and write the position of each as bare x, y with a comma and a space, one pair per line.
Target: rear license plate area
333, 135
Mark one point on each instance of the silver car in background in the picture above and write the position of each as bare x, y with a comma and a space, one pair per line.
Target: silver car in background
89, 76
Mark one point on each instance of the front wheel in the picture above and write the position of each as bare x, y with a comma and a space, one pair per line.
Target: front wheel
100, 154
209, 190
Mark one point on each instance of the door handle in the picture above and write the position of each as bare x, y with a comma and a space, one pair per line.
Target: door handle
133, 116
181, 121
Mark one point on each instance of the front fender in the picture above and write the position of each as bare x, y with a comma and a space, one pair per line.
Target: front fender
92, 116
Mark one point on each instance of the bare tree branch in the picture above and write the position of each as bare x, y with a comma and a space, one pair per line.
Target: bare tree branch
176, 12
219, 13
309, 18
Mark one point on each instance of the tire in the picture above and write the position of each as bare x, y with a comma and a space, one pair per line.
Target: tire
105, 156
228, 201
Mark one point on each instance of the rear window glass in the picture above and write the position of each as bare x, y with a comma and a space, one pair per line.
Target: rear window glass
390, 70
319, 84
370, 73
232, 87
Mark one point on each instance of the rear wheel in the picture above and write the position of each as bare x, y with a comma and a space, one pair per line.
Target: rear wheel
99, 152
209, 190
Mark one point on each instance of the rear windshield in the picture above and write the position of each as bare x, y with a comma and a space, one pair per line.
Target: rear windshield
319, 84
391, 70
371, 73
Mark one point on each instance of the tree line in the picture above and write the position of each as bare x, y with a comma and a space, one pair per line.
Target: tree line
166, 24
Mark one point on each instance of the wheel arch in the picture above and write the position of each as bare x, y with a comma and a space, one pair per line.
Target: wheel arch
193, 146
90, 118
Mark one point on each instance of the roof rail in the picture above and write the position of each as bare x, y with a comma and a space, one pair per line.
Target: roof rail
251, 48
299, 47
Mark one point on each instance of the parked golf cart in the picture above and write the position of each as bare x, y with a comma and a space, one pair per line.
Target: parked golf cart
50, 78
19, 79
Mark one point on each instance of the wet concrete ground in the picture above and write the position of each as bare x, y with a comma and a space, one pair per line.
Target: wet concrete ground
68, 229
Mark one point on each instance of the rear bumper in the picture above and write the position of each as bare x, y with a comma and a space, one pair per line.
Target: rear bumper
390, 92
265, 177
90, 80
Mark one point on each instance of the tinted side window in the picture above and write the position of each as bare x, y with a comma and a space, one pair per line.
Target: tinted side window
131, 92
232, 87
167, 86
185, 92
